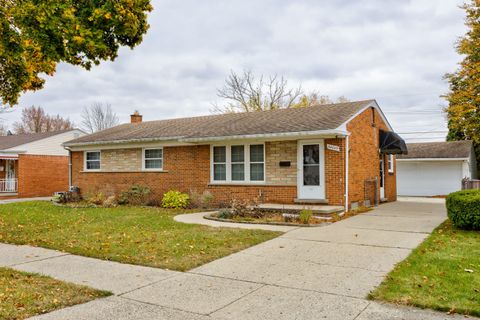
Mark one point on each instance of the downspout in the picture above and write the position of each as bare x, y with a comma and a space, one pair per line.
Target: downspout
346, 172
69, 168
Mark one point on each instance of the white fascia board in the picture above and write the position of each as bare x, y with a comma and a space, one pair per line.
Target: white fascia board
181, 141
272, 136
432, 159
372, 104
130, 144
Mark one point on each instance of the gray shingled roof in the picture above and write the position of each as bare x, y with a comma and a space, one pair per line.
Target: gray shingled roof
8, 142
322, 117
451, 149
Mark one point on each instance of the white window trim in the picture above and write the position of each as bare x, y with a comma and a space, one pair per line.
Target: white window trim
390, 163
143, 159
85, 160
228, 164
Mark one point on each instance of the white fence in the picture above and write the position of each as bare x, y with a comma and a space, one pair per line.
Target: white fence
8, 185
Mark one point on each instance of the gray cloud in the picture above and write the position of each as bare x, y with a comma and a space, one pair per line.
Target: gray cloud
395, 51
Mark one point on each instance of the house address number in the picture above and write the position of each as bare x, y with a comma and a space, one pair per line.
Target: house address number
333, 147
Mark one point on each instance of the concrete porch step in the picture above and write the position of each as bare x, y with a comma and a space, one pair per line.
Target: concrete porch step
311, 201
316, 209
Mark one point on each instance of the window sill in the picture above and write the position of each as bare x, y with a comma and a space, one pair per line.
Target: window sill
238, 184
129, 171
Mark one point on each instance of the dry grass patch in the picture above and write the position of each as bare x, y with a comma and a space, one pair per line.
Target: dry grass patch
24, 295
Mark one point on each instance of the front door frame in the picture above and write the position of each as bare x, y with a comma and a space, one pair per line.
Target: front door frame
305, 192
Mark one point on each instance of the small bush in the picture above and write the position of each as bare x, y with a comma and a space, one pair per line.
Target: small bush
195, 199
305, 216
203, 200
96, 198
225, 214
175, 199
137, 195
206, 199
110, 202
463, 208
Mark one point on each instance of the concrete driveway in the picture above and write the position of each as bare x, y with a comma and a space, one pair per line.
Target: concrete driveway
308, 273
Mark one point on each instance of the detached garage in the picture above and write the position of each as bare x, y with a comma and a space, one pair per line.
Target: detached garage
435, 168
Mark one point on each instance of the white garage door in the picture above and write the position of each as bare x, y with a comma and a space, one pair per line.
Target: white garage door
428, 178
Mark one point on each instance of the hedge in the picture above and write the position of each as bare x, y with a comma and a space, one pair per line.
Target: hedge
463, 208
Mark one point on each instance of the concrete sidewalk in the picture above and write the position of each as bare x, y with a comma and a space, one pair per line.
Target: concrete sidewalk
5, 201
308, 273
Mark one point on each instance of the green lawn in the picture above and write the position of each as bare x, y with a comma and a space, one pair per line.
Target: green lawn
144, 236
443, 273
23, 295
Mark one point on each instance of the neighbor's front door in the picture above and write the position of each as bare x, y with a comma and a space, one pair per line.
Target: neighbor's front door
311, 170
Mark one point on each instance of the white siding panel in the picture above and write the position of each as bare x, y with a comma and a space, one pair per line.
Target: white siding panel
49, 146
429, 178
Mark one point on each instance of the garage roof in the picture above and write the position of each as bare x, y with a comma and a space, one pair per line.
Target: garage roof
439, 150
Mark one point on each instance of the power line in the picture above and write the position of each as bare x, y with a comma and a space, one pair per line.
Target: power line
420, 132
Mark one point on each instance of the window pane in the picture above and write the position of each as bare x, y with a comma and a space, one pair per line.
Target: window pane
238, 172
311, 154
93, 165
311, 175
238, 154
256, 172
153, 164
219, 154
256, 153
93, 155
153, 153
219, 172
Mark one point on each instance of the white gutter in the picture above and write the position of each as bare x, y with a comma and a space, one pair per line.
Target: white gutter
346, 171
270, 135
213, 139
90, 143
433, 159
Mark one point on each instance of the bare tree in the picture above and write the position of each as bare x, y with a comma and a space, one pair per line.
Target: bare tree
35, 120
3, 129
315, 99
98, 117
246, 93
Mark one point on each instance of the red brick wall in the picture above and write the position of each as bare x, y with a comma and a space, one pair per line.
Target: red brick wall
364, 158
186, 169
335, 172
41, 176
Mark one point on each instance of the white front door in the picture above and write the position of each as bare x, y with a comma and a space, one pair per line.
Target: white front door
311, 170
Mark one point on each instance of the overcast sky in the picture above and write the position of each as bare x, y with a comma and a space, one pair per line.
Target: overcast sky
395, 51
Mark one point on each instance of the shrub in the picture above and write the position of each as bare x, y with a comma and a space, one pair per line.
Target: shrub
110, 202
136, 195
203, 200
305, 216
206, 199
175, 199
96, 198
195, 199
225, 214
463, 208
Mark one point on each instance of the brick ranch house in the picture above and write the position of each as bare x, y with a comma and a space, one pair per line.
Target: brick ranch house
34, 165
333, 154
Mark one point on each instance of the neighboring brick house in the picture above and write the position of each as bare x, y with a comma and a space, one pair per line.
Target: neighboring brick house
280, 156
34, 165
